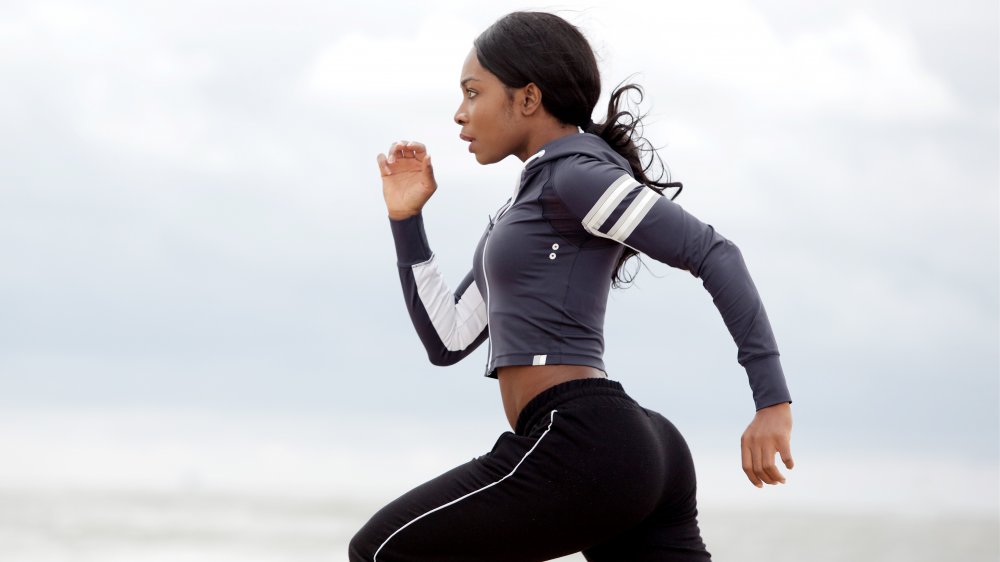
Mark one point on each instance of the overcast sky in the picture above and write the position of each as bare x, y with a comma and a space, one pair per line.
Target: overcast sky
191, 215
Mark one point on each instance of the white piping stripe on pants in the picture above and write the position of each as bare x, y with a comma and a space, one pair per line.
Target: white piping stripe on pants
552, 418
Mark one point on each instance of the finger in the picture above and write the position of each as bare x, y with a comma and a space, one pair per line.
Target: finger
748, 465
418, 149
785, 450
383, 166
770, 469
396, 150
758, 465
409, 149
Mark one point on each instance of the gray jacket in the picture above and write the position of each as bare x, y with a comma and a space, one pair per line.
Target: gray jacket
541, 273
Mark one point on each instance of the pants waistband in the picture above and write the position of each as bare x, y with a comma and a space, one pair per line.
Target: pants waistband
539, 407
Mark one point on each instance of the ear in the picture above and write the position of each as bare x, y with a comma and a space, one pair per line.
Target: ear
529, 99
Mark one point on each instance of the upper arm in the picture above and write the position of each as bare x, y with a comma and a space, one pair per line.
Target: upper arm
610, 203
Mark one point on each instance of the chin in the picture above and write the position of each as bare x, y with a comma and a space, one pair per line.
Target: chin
485, 159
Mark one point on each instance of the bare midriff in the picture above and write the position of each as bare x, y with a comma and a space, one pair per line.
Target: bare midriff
520, 383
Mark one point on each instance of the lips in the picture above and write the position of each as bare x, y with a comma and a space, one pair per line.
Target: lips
465, 138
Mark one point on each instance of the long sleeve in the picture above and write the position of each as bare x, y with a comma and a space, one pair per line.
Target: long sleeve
450, 325
611, 204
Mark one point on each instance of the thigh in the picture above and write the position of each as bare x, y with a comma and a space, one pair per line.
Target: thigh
524, 501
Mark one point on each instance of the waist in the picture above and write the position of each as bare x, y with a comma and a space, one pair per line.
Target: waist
520, 384
568, 396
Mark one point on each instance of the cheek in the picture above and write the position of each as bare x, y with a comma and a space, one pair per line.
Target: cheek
479, 117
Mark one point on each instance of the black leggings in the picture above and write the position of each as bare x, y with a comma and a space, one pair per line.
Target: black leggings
587, 469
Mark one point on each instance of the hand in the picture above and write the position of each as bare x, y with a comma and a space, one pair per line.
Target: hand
770, 432
407, 178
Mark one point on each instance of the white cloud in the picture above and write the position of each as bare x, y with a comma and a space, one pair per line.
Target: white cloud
372, 69
854, 66
865, 67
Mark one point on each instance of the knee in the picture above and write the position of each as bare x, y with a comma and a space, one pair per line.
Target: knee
362, 546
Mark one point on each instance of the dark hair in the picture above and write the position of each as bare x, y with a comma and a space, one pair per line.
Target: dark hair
544, 49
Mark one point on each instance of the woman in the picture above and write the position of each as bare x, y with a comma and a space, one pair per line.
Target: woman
586, 468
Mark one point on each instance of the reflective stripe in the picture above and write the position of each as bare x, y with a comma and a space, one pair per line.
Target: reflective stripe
633, 215
607, 203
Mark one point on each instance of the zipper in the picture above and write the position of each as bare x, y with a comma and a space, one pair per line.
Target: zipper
486, 280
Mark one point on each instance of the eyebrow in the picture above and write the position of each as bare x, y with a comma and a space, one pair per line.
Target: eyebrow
468, 79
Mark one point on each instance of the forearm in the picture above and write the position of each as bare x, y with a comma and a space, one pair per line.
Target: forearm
450, 325
725, 276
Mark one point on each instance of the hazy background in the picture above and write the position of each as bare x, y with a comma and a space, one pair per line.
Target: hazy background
203, 343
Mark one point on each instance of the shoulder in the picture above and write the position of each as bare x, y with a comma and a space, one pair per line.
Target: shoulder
586, 177
573, 166
586, 159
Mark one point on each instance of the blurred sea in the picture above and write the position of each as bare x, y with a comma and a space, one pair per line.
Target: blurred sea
185, 487
136, 526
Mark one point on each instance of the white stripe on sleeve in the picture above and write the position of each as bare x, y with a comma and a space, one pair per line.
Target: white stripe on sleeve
607, 203
633, 215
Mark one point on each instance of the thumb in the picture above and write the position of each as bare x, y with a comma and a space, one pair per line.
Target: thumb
428, 170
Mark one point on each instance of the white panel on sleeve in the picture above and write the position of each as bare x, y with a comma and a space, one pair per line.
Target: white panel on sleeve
457, 324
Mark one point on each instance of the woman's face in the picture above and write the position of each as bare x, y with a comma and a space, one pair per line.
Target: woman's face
487, 114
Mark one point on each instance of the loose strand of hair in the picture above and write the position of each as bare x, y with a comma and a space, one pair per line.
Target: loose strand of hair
623, 130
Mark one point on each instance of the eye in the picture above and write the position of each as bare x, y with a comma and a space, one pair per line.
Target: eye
470, 93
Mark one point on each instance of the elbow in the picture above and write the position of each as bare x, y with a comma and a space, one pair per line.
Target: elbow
720, 250
442, 358
448, 351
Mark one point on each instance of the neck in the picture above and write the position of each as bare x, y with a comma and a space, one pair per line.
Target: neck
537, 139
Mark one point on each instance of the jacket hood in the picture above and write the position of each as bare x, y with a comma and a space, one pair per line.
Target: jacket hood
587, 144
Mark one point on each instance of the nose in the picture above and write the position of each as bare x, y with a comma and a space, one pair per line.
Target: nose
460, 116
